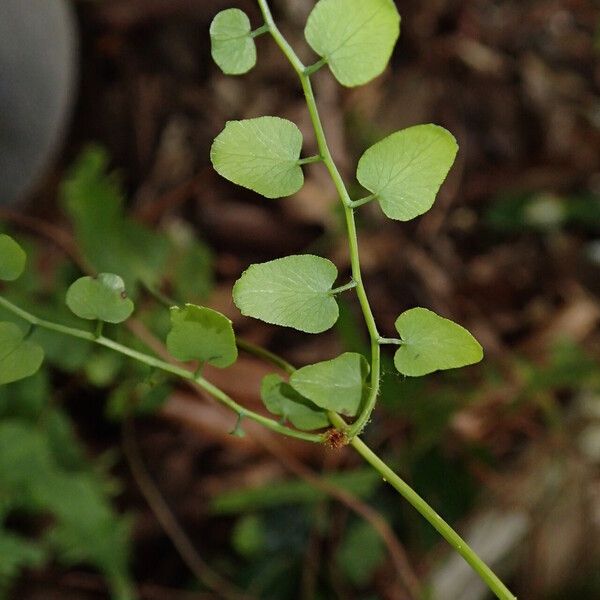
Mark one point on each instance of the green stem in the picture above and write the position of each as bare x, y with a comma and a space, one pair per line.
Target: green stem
310, 159
157, 363
343, 288
390, 341
435, 520
325, 153
265, 354
99, 328
262, 29
308, 71
362, 201
352, 431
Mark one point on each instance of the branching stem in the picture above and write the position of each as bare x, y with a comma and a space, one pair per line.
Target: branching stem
353, 430
340, 186
157, 363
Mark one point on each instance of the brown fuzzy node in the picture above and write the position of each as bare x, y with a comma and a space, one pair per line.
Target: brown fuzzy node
335, 439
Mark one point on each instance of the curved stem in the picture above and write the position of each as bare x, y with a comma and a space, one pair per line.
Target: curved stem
435, 520
157, 363
353, 430
265, 354
304, 76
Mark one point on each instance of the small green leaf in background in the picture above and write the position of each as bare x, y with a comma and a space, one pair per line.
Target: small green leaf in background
293, 291
101, 298
336, 384
232, 46
19, 358
360, 553
431, 343
12, 259
249, 536
110, 241
406, 169
282, 399
356, 37
260, 154
200, 333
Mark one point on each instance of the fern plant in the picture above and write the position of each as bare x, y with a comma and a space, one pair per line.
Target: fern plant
329, 402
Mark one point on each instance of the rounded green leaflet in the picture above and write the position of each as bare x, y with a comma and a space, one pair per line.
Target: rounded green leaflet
232, 45
19, 358
294, 291
260, 154
281, 399
432, 343
355, 37
337, 384
200, 333
101, 298
12, 259
406, 169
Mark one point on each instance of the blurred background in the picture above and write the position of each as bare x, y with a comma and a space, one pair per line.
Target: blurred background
117, 483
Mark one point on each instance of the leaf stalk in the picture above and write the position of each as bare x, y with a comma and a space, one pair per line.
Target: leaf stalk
311, 159
260, 31
343, 288
308, 71
362, 201
390, 341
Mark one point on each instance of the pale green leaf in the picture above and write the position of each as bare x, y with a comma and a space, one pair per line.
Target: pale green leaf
406, 169
101, 298
19, 358
431, 343
336, 384
281, 399
355, 37
93, 198
200, 333
293, 291
12, 259
260, 154
361, 552
232, 45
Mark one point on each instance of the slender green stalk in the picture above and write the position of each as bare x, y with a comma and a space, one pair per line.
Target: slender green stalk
363, 201
309, 160
304, 75
259, 31
436, 521
314, 68
353, 430
157, 363
343, 288
265, 354
390, 341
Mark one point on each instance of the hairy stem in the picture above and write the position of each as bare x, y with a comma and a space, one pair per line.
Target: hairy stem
304, 75
157, 363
